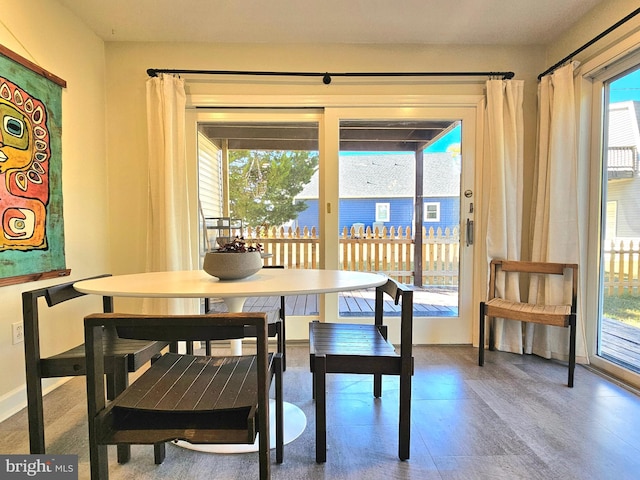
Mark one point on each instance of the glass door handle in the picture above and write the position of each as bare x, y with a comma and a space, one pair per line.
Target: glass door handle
469, 236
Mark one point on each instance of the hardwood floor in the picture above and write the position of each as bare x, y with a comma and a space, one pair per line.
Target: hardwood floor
514, 418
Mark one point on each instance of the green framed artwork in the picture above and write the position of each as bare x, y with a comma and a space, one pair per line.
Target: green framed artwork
32, 223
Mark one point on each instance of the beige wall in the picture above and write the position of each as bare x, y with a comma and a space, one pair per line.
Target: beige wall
46, 34
104, 174
599, 19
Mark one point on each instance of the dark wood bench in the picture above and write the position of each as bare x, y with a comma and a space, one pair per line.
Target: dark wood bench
198, 399
364, 349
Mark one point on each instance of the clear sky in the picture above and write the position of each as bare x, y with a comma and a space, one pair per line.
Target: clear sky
441, 145
626, 88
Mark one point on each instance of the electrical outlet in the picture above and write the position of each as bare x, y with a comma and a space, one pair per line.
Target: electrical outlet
17, 330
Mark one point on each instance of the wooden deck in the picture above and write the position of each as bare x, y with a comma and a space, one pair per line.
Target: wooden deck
432, 302
619, 343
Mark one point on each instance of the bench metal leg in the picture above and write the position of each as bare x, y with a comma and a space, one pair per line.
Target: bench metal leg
404, 434
159, 453
36, 415
159, 449
279, 368
320, 373
572, 350
120, 382
481, 337
377, 385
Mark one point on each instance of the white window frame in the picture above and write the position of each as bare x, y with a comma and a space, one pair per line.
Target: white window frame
616, 59
426, 212
383, 212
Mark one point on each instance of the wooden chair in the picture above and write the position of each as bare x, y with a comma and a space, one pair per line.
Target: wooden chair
123, 356
364, 349
198, 399
276, 323
557, 315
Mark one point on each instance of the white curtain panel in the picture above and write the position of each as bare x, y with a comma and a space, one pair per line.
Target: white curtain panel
555, 228
503, 178
169, 232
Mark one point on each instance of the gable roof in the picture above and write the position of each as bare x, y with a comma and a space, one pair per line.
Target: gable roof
392, 176
624, 124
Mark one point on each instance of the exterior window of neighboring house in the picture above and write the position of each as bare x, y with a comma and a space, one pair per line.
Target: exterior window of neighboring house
611, 222
383, 212
432, 211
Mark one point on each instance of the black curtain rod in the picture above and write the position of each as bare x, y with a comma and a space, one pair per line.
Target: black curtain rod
590, 42
326, 76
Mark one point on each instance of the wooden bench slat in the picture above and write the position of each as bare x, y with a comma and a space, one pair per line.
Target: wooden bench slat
184, 381
239, 390
203, 383
203, 387
134, 396
349, 340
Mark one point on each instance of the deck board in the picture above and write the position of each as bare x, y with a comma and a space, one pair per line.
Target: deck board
619, 341
358, 303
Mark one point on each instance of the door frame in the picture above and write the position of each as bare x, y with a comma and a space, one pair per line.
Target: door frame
331, 109
443, 330
594, 73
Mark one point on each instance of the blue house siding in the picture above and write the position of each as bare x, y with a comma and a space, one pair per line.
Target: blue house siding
363, 210
449, 213
308, 218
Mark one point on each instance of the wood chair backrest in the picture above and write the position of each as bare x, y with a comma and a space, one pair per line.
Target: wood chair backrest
403, 295
54, 295
179, 327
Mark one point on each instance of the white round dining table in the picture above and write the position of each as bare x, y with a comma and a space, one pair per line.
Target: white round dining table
199, 284
267, 282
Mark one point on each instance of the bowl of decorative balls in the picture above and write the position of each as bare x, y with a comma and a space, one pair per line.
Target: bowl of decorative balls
233, 260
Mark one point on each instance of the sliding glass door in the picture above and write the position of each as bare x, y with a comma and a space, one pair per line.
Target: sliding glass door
255, 162
619, 319
399, 209
404, 196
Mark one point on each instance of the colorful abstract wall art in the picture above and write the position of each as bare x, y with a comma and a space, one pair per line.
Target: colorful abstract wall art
31, 220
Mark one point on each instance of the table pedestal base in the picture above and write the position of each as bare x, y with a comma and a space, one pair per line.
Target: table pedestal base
295, 422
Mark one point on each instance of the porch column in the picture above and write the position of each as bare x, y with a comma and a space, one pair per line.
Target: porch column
419, 213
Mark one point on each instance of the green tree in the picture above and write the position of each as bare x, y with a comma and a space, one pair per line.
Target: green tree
263, 184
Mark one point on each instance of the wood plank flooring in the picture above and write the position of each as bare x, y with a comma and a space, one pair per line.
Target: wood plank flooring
514, 418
